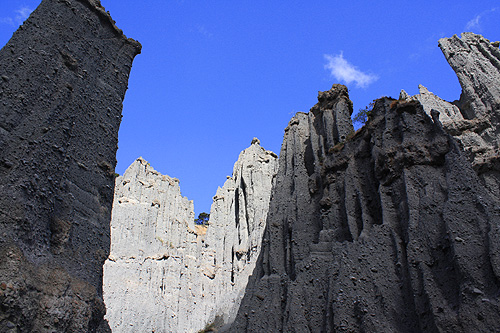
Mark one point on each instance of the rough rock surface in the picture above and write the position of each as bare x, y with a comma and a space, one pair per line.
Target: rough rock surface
63, 77
390, 230
476, 61
166, 274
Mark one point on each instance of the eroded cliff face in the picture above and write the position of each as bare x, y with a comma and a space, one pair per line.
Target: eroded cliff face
165, 273
390, 230
63, 78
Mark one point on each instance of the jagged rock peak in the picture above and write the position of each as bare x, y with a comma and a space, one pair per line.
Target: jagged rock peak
327, 99
476, 62
64, 77
167, 274
97, 7
141, 194
140, 165
334, 108
448, 112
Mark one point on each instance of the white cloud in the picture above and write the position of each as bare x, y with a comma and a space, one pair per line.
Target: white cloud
475, 23
342, 70
7, 20
20, 16
202, 30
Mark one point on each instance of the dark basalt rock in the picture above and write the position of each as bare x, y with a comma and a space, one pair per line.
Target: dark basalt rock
64, 75
389, 230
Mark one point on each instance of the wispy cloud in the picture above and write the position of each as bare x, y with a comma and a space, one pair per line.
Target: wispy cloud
342, 70
475, 23
7, 20
202, 30
18, 17
22, 14
425, 48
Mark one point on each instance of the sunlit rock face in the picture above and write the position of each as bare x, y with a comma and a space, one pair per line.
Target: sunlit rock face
63, 77
167, 274
394, 228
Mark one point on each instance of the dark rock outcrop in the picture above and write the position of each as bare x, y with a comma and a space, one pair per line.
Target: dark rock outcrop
389, 230
63, 77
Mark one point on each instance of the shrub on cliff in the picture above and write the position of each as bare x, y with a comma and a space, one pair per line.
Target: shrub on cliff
361, 117
202, 219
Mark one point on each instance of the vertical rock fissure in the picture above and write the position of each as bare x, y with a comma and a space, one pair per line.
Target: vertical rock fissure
243, 187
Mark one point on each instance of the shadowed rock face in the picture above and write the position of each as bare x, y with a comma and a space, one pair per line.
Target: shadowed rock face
63, 77
389, 231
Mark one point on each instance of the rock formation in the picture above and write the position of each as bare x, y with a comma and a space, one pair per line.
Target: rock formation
391, 229
474, 119
63, 77
166, 274
477, 64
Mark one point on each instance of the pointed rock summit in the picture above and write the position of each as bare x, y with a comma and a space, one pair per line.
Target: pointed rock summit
448, 113
476, 61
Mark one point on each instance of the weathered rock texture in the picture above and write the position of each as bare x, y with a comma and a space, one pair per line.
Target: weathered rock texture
166, 274
234, 237
391, 230
63, 77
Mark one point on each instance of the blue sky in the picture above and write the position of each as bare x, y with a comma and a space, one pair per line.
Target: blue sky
214, 74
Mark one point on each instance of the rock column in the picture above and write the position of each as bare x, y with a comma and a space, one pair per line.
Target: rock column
63, 77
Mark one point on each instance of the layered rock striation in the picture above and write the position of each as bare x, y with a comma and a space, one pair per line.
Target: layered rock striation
63, 78
166, 274
389, 230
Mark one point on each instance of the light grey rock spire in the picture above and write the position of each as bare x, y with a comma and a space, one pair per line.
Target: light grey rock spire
164, 272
